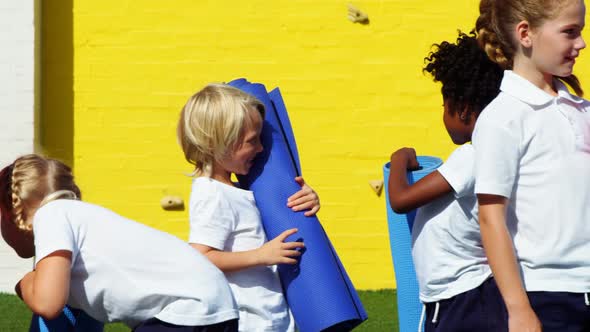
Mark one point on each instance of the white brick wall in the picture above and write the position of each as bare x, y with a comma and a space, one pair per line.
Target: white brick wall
17, 106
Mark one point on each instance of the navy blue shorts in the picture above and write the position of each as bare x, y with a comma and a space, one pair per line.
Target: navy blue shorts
480, 309
70, 320
561, 311
156, 325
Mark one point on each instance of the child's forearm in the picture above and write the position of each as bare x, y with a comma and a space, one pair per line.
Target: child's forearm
404, 197
501, 257
398, 182
234, 261
26, 291
230, 261
275, 251
46, 289
398, 168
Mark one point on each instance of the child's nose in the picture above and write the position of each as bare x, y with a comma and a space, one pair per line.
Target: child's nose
581, 43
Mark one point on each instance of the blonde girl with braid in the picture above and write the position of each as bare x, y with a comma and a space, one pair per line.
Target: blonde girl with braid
95, 260
532, 157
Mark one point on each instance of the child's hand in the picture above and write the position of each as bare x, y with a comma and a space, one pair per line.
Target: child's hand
524, 320
407, 157
306, 198
277, 251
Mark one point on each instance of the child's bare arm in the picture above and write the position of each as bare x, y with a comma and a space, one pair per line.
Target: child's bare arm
404, 197
306, 198
46, 289
502, 259
272, 252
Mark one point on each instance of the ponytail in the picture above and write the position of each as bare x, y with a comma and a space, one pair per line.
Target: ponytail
574, 83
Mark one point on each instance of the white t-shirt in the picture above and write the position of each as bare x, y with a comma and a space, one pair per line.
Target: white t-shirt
226, 218
534, 149
125, 271
446, 242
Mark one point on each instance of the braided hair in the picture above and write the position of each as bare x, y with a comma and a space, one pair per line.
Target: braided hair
497, 19
25, 184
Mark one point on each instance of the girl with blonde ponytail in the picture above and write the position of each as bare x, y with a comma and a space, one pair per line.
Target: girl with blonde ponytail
97, 261
532, 151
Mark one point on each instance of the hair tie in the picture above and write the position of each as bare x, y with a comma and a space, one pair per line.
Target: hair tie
67, 194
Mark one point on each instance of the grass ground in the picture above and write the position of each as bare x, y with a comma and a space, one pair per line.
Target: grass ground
380, 305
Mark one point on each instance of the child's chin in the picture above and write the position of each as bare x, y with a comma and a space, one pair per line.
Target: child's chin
457, 141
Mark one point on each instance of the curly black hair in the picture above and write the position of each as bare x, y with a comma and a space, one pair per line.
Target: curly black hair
470, 80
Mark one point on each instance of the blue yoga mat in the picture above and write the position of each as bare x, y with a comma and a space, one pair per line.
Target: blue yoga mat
400, 239
70, 320
318, 290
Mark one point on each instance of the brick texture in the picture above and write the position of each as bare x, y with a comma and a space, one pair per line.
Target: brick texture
17, 108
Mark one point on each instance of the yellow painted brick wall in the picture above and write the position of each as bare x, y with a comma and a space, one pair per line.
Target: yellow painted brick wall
354, 93
56, 117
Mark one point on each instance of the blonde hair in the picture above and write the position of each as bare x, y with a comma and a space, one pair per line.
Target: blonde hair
32, 181
497, 19
212, 122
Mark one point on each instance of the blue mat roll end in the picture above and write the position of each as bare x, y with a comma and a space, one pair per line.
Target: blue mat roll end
318, 290
400, 240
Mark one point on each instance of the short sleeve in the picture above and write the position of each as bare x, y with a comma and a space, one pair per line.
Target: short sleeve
53, 231
458, 171
211, 218
497, 156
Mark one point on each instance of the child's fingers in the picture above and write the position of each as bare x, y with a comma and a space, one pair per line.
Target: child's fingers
313, 211
413, 165
302, 200
299, 179
281, 237
292, 245
303, 192
287, 260
291, 253
304, 206
296, 195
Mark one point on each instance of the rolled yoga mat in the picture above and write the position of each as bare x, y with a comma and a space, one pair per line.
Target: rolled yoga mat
400, 239
70, 320
318, 290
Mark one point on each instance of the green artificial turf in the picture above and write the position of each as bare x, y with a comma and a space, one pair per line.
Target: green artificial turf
381, 306
14, 314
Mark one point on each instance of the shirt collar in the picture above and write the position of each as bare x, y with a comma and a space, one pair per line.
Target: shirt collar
522, 89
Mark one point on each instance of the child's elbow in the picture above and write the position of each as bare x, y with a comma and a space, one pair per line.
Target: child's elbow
48, 309
399, 206
48, 312
402, 210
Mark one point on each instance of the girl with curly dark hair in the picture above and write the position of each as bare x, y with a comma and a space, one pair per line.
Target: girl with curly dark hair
455, 280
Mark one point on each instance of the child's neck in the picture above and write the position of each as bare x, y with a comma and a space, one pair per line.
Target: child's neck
222, 176
527, 70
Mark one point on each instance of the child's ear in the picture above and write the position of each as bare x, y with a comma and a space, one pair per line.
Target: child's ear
469, 115
464, 113
523, 34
